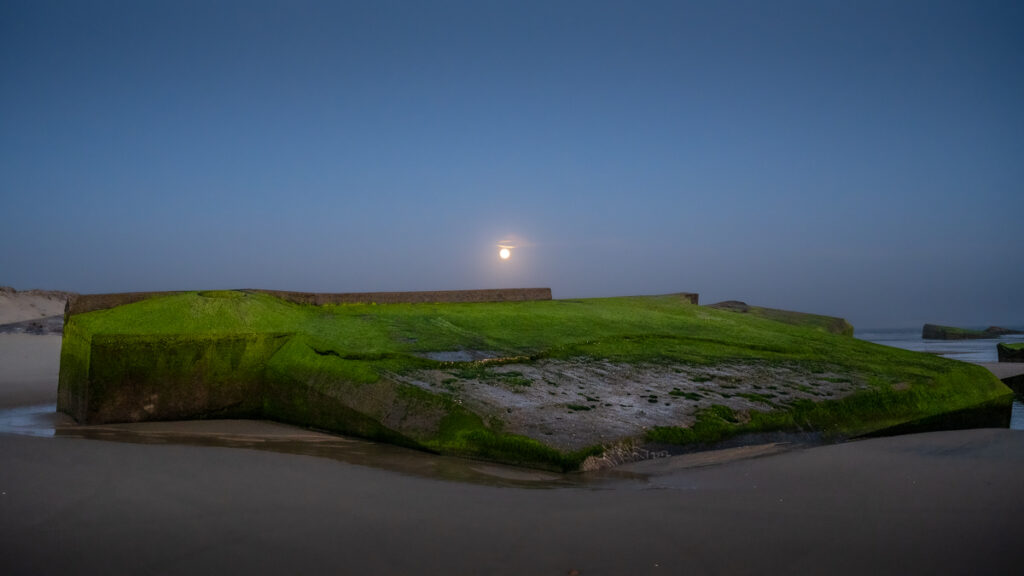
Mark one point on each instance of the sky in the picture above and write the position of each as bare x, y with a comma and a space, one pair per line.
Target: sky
858, 159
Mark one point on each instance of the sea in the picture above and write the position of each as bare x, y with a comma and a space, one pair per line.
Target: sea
977, 351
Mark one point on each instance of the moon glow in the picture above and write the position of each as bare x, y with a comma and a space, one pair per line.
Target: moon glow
504, 253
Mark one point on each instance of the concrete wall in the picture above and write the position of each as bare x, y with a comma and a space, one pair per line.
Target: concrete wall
497, 295
690, 297
82, 303
173, 377
1007, 354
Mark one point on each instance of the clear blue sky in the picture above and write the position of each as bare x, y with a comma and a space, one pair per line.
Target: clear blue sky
861, 159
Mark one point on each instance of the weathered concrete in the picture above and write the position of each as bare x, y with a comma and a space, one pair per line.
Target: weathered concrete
936, 332
82, 303
831, 324
1007, 354
495, 295
690, 297
107, 378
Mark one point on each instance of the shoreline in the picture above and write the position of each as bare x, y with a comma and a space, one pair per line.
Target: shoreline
943, 502
31, 366
939, 502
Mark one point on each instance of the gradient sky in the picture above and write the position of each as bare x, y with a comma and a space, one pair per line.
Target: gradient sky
860, 159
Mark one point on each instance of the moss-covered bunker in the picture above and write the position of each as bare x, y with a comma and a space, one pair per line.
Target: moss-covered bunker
356, 366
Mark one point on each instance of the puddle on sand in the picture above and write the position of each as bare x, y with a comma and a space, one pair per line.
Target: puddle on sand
1017, 415
39, 420
44, 421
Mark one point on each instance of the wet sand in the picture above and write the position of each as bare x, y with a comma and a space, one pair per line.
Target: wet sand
1004, 370
941, 503
29, 365
936, 503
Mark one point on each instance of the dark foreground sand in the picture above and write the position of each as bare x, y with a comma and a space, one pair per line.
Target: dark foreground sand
948, 503
939, 503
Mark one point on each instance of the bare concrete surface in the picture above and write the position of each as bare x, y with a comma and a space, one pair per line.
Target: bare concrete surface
612, 401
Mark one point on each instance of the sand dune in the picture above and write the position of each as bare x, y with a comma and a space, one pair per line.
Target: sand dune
18, 306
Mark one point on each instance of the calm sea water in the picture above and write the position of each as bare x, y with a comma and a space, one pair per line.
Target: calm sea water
964, 350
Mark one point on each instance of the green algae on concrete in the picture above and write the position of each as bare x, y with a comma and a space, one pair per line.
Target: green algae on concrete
829, 324
936, 332
1010, 351
365, 369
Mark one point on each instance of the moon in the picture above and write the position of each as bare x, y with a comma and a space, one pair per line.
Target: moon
504, 253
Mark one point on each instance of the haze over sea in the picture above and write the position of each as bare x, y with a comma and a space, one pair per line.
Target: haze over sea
983, 350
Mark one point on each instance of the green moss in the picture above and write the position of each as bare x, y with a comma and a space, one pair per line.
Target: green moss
222, 294
766, 398
962, 332
72, 383
814, 321
169, 376
817, 322
337, 367
713, 424
464, 433
688, 395
627, 329
960, 387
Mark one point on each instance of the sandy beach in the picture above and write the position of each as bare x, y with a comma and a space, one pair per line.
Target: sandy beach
19, 306
940, 503
29, 365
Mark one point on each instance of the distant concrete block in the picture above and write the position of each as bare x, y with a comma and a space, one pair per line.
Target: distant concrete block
1010, 352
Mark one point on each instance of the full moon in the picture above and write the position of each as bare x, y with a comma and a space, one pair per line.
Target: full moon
504, 253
